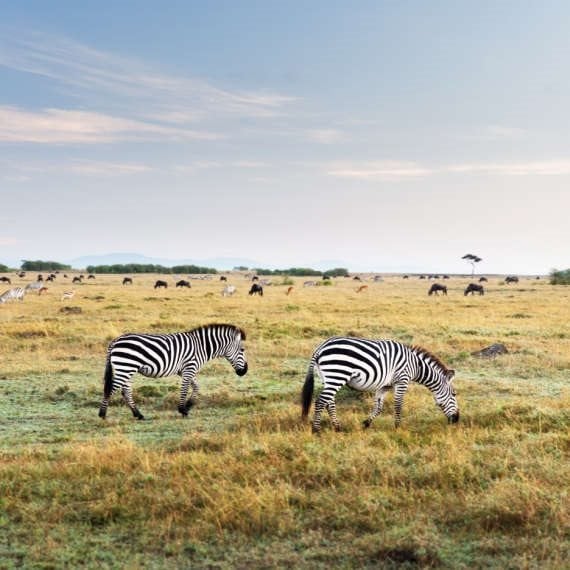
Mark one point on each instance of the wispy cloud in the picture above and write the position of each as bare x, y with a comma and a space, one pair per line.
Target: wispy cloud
400, 171
198, 165
325, 136
7, 241
96, 76
379, 170
20, 172
65, 126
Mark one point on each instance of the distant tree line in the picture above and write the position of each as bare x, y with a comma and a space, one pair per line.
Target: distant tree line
303, 271
148, 268
560, 277
4, 268
39, 265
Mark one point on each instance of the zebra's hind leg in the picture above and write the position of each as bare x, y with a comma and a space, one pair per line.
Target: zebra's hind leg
331, 408
326, 400
399, 391
378, 407
188, 379
127, 393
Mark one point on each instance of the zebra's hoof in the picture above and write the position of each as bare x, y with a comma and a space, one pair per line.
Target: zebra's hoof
316, 431
102, 414
366, 423
337, 428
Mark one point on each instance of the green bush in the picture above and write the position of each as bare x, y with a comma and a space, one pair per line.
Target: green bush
560, 277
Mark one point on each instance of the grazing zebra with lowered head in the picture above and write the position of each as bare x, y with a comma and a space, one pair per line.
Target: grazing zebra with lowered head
375, 365
158, 355
14, 293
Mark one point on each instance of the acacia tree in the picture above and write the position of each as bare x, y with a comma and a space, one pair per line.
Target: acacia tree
472, 259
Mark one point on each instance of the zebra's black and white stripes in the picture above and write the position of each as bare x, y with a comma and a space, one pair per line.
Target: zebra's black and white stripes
14, 293
375, 365
157, 355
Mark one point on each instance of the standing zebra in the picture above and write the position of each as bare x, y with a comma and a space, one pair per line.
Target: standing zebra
14, 293
157, 355
375, 365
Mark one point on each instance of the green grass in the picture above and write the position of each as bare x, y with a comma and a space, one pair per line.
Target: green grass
242, 482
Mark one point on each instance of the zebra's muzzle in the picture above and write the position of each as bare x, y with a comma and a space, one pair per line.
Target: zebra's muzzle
453, 419
241, 371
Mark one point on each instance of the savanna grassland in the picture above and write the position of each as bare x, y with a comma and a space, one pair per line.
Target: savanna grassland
242, 482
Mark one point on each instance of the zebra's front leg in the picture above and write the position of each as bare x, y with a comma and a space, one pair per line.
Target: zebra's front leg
378, 407
127, 393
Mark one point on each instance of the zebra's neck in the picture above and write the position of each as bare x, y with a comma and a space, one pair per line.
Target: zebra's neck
428, 370
209, 343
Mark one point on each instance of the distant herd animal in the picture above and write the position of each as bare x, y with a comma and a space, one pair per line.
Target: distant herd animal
436, 288
473, 288
256, 289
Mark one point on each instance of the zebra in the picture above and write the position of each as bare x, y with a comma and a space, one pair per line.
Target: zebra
375, 365
34, 286
228, 290
14, 293
158, 355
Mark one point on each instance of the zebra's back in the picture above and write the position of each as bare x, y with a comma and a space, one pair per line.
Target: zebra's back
364, 364
152, 354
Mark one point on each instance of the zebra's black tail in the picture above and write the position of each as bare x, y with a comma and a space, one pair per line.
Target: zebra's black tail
108, 386
308, 387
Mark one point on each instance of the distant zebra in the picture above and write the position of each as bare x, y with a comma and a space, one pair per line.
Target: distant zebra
158, 355
34, 286
14, 293
67, 295
228, 290
436, 288
474, 288
375, 365
309, 283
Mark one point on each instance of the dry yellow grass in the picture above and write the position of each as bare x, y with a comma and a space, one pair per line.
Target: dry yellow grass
242, 482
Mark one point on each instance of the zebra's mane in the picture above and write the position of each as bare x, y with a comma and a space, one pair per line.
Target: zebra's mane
220, 325
420, 351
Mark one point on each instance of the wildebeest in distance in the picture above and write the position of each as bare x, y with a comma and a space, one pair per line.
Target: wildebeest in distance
159, 283
474, 288
256, 289
436, 288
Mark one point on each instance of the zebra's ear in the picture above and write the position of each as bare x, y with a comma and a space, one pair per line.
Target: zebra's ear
450, 375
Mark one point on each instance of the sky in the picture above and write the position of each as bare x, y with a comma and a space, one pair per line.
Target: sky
387, 136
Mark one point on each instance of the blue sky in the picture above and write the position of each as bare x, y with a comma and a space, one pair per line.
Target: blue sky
392, 136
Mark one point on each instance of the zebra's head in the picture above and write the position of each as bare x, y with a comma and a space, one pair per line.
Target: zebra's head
446, 397
235, 352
